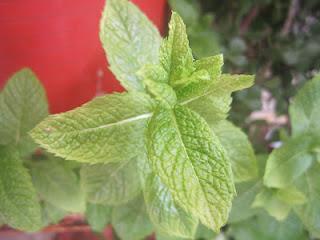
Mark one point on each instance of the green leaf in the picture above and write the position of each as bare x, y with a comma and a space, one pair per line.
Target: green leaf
239, 150
112, 184
57, 184
131, 221
162, 92
309, 212
205, 233
107, 129
212, 64
98, 216
130, 41
51, 214
166, 216
268, 200
291, 196
264, 227
305, 111
191, 162
288, 162
214, 104
241, 205
175, 54
19, 205
23, 104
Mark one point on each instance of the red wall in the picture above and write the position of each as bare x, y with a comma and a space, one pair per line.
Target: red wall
59, 40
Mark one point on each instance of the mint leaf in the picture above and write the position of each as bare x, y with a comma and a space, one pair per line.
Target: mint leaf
214, 103
131, 221
241, 205
162, 92
112, 184
19, 205
305, 111
130, 41
175, 54
264, 227
204, 233
51, 214
191, 163
57, 184
288, 162
309, 212
23, 104
98, 216
291, 196
107, 129
239, 150
165, 214
275, 207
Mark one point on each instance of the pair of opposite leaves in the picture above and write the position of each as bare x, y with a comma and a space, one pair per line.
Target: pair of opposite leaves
171, 99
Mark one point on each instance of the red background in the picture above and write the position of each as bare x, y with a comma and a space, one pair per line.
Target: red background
59, 41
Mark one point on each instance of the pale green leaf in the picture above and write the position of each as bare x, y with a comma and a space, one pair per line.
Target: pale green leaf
165, 214
129, 39
52, 214
57, 184
163, 236
98, 216
241, 205
239, 150
19, 206
214, 103
112, 184
162, 92
305, 111
175, 54
211, 64
131, 221
23, 104
309, 212
288, 162
192, 163
291, 196
264, 227
205, 233
107, 129
268, 200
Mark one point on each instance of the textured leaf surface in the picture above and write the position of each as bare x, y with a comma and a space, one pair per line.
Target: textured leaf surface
131, 221
23, 104
309, 212
305, 111
107, 129
129, 39
58, 185
112, 184
98, 216
264, 227
165, 214
191, 162
288, 162
239, 150
162, 92
19, 205
175, 54
214, 103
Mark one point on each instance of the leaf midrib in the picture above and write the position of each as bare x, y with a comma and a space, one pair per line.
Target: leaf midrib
186, 153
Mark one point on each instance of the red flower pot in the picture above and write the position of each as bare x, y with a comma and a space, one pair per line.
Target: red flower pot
59, 40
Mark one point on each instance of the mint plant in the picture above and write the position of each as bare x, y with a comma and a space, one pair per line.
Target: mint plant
161, 156
159, 136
